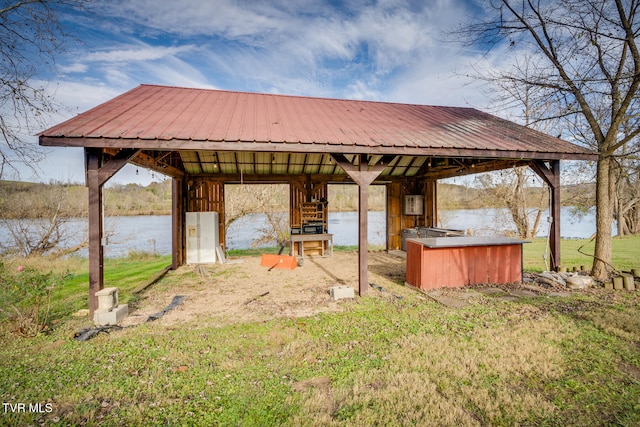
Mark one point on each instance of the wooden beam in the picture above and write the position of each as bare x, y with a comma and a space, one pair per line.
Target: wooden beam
98, 172
149, 162
109, 168
551, 175
178, 209
93, 160
431, 203
472, 168
263, 146
233, 178
363, 174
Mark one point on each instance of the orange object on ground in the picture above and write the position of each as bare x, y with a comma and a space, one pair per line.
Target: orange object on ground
283, 262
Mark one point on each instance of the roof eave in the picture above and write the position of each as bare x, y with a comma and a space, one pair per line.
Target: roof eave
300, 147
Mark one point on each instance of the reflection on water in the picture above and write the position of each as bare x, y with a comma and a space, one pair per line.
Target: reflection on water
153, 233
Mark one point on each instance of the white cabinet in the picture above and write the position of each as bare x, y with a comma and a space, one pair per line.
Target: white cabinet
202, 237
413, 204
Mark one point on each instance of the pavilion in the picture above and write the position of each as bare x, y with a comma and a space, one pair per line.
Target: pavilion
204, 138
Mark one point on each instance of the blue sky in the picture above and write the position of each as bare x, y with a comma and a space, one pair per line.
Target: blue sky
386, 50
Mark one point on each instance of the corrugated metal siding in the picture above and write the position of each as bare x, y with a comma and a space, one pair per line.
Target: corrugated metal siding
170, 113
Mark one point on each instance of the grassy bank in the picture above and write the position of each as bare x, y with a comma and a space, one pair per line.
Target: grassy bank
549, 361
569, 361
124, 273
625, 253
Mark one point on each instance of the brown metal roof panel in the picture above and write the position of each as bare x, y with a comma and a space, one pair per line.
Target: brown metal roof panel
186, 117
262, 120
85, 124
221, 109
214, 104
165, 113
286, 121
162, 121
308, 123
140, 118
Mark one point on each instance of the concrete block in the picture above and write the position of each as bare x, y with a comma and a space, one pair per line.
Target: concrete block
341, 292
107, 299
111, 317
628, 282
618, 282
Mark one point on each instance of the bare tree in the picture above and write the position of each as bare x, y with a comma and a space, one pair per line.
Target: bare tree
276, 229
627, 197
31, 35
587, 64
522, 103
269, 199
525, 205
38, 222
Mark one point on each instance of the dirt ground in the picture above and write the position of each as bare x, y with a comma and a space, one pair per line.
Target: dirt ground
241, 290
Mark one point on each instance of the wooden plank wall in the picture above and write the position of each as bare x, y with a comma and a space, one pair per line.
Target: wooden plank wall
396, 220
302, 191
394, 216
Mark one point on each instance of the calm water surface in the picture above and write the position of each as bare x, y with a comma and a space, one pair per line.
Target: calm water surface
153, 233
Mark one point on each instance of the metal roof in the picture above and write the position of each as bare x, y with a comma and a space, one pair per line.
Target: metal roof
195, 121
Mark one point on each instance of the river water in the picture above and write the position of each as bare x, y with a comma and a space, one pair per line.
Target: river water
153, 233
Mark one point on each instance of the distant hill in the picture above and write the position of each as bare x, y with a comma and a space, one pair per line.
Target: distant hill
35, 200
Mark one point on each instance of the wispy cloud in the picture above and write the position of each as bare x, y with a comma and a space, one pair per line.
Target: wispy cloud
136, 54
75, 67
248, 45
388, 50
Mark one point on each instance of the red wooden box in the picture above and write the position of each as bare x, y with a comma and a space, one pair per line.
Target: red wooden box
458, 261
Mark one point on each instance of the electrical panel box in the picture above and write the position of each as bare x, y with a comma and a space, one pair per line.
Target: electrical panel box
202, 230
413, 204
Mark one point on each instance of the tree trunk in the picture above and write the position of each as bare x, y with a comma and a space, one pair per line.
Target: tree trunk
604, 218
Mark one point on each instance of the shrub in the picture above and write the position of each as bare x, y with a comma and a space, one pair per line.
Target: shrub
25, 297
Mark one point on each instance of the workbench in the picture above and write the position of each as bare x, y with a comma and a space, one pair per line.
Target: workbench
321, 242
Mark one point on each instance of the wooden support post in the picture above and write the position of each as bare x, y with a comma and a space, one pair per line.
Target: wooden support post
431, 203
551, 175
362, 174
98, 173
177, 222
363, 237
96, 254
554, 238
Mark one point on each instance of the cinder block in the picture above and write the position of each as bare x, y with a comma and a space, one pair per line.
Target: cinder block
111, 317
341, 292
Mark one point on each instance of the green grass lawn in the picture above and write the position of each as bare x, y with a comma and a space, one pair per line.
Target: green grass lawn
626, 253
126, 274
570, 361
547, 361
